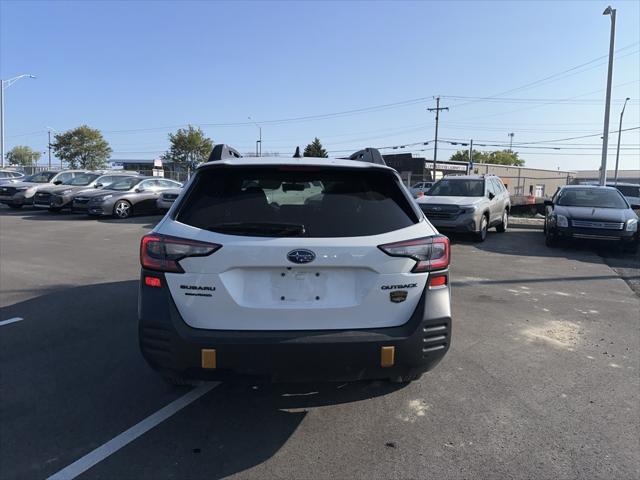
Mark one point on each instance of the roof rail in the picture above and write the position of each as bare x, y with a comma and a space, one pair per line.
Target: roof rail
222, 152
368, 154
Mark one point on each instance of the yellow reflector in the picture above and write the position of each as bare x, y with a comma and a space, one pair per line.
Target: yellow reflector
387, 356
208, 358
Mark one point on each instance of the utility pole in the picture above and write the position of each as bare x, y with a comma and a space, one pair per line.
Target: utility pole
607, 106
615, 179
1, 123
471, 156
259, 141
511, 142
435, 143
49, 144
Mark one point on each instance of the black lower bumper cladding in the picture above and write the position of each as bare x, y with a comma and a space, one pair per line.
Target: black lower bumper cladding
171, 346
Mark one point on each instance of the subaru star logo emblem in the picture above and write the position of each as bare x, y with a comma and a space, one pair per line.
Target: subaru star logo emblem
301, 256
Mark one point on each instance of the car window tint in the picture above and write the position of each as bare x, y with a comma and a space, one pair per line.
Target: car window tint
149, 184
591, 197
168, 184
328, 202
629, 190
497, 188
491, 187
458, 188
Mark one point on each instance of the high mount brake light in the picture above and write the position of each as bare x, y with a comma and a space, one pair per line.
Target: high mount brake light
162, 252
430, 253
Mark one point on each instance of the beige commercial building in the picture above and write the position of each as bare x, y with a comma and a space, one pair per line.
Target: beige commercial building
528, 181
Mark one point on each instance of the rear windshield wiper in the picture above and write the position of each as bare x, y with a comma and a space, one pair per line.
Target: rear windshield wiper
260, 229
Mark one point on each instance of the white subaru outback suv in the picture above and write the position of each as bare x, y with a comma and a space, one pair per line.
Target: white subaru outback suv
295, 269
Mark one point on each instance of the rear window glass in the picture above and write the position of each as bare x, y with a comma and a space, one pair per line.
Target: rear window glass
273, 202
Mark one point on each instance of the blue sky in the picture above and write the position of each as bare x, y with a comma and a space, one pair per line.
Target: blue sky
139, 70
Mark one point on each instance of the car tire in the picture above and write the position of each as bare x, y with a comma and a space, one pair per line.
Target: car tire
14, 206
502, 226
122, 209
481, 236
550, 238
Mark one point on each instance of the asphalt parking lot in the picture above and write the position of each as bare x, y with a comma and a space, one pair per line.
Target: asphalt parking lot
542, 380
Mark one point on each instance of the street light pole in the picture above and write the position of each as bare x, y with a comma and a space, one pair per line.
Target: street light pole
6, 84
607, 107
615, 180
259, 141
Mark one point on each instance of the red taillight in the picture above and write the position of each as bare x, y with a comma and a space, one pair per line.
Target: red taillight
438, 281
162, 252
430, 253
152, 282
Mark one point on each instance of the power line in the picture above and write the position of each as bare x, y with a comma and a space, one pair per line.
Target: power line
558, 74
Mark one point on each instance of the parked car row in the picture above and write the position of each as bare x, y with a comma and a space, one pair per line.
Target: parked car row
98, 193
10, 175
475, 203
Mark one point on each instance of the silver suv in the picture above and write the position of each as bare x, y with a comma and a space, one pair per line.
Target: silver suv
468, 204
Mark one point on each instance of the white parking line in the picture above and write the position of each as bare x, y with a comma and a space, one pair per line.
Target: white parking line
89, 460
11, 320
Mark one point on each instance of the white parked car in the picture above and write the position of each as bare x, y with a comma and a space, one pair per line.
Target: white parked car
294, 269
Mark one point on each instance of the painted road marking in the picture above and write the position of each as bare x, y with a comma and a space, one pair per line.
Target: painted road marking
89, 460
11, 320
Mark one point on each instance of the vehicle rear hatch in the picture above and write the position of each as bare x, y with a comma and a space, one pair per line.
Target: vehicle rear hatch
299, 249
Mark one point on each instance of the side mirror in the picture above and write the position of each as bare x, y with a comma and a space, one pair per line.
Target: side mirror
58, 182
491, 196
139, 190
548, 203
98, 185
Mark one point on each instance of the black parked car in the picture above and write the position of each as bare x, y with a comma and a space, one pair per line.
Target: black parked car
591, 212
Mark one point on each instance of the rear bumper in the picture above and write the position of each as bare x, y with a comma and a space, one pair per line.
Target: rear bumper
170, 345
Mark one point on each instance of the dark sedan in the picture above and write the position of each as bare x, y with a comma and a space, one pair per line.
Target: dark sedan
132, 195
591, 212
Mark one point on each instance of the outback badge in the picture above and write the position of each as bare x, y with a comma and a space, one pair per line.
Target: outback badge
398, 296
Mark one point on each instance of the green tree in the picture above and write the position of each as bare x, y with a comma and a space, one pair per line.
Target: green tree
500, 157
463, 156
22, 155
82, 147
505, 157
315, 149
189, 147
